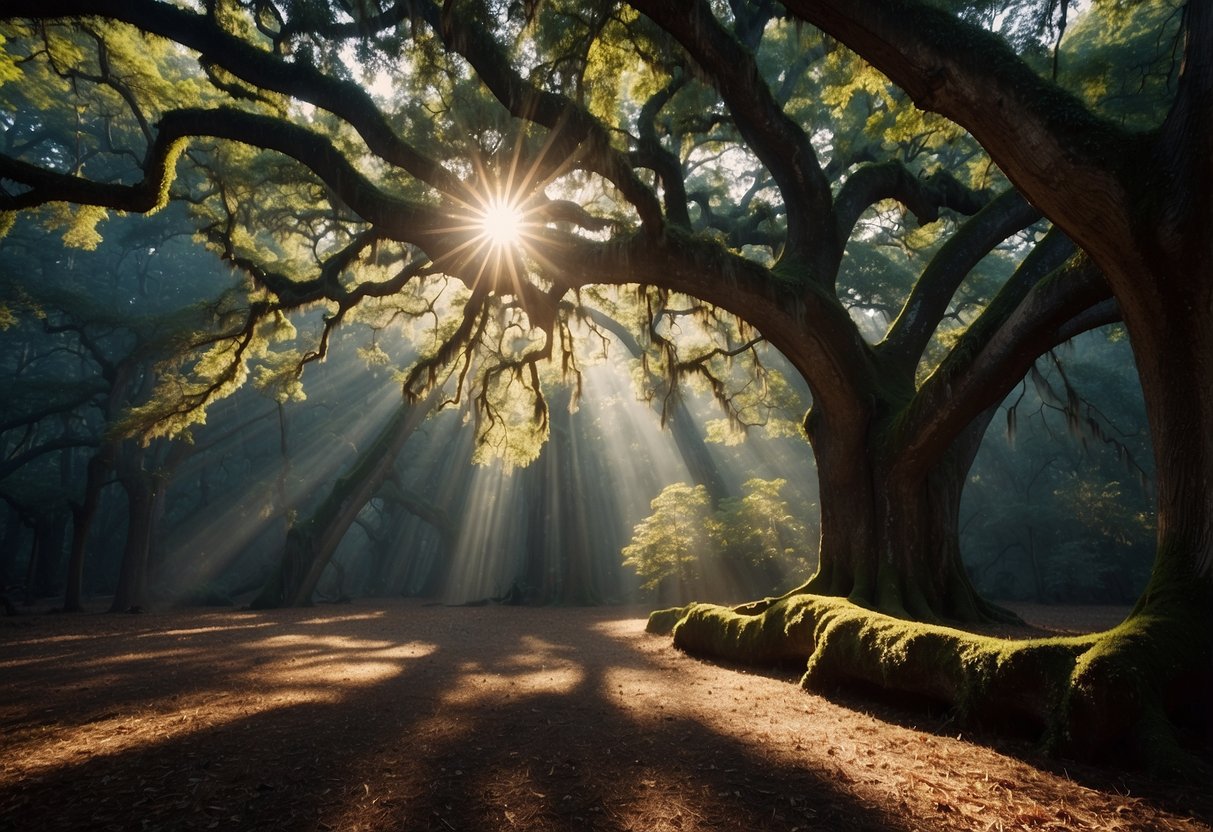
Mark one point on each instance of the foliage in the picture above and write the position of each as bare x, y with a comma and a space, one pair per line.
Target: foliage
669, 543
688, 542
1058, 508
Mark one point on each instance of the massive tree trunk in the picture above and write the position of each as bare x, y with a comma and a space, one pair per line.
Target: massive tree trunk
1142, 207
1164, 664
889, 541
1161, 271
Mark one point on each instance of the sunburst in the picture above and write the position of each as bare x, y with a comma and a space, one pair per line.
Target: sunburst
501, 223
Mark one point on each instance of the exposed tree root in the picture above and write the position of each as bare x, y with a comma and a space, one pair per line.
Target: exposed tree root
1124, 692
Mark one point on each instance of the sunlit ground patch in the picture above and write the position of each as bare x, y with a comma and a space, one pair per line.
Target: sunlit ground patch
242, 685
536, 668
323, 621
197, 631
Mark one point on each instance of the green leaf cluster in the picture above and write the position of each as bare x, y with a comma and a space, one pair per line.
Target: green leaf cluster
685, 540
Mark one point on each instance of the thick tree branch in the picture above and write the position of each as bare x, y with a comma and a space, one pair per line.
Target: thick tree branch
910, 333
402, 219
1040, 135
997, 350
81, 394
13, 464
826, 353
654, 155
1184, 155
779, 142
923, 196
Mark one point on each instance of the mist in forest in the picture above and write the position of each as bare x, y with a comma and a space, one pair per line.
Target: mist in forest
609, 506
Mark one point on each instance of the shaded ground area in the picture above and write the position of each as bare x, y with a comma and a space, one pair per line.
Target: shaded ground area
393, 715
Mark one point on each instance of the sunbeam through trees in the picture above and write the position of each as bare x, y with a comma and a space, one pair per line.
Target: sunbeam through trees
833, 332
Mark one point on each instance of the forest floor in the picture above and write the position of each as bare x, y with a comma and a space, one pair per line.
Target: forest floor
387, 715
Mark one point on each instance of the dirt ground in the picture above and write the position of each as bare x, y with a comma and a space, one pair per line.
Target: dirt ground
394, 715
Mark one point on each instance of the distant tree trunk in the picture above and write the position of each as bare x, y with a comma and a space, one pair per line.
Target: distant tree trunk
46, 569
9, 546
83, 514
683, 426
570, 506
1038, 578
695, 453
412, 503
38, 537
448, 478
310, 544
141, 488
170, 454
607, 530
49, 576
542, 574
578, 546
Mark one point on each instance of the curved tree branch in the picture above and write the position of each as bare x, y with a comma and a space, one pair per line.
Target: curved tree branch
1025, 320
781, 143
910, 333
653, 155
1033, 128
924, 197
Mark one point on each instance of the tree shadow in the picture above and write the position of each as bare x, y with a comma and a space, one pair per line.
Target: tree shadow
1011, 738
405, 718
346, 722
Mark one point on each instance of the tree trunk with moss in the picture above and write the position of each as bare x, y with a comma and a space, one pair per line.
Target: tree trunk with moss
1162, 677
1141, 206
889, 542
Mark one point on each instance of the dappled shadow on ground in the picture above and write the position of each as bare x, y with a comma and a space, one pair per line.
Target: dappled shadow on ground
398, 716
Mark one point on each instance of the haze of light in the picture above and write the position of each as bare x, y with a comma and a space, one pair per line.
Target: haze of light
501, 223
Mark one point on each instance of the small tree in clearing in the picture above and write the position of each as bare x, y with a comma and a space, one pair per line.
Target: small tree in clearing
667, 544
758, 534
746, 545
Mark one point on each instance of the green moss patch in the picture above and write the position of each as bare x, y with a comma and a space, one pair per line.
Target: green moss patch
1089, 695
661, 622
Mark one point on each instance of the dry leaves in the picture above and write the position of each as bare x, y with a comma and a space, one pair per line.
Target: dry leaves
392, 715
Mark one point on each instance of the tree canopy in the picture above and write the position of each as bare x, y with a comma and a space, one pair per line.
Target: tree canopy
912, 202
